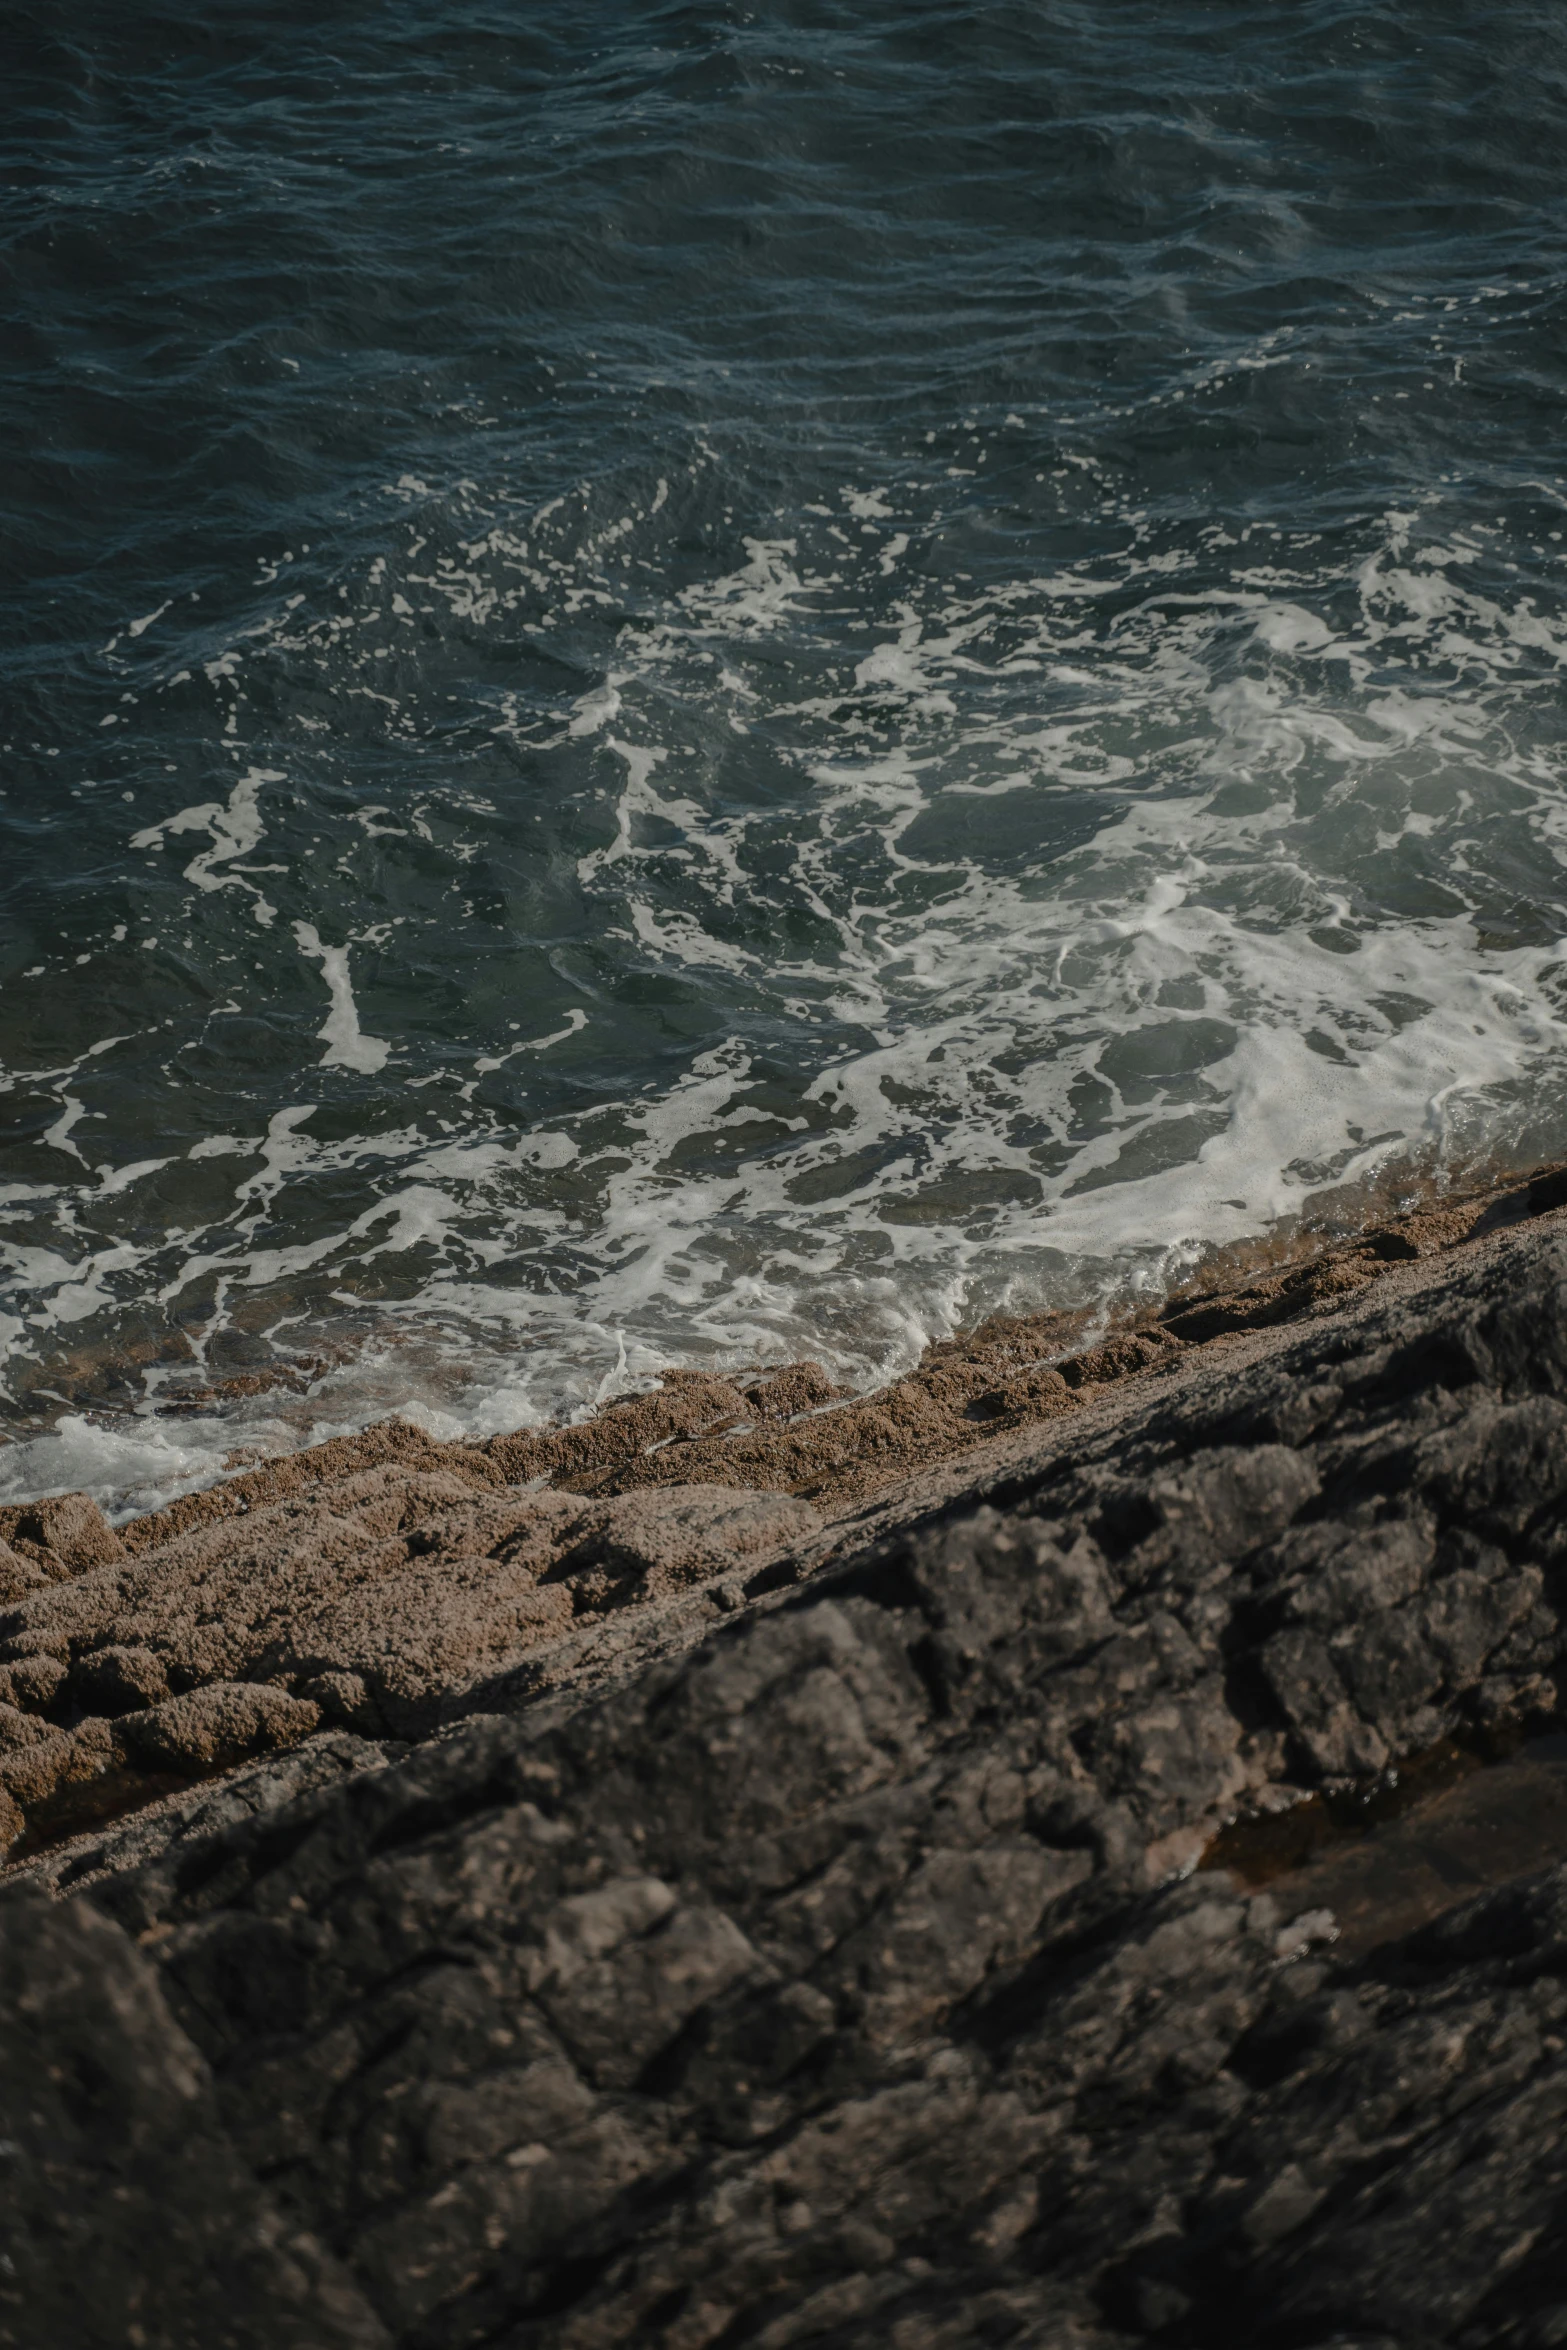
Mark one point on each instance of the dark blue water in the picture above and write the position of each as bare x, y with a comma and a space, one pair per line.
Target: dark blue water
703, 683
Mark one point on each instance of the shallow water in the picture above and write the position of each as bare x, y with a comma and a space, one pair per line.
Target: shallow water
723, 683
1416, 1851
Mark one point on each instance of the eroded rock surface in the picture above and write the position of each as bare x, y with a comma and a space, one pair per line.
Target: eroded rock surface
382, 1601
837, 1980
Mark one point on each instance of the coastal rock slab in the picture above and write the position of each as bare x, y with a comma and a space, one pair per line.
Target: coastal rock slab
379, 1601
126, 2214
847, 1975
66, 1535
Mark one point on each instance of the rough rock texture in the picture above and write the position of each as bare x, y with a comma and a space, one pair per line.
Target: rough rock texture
384, 1601
127, 2217
190, 1812
385, 1583
792, 1430
45, 1542
838, 1980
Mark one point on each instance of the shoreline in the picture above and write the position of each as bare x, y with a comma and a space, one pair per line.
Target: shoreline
439, 1579
938, 1401
790, 1429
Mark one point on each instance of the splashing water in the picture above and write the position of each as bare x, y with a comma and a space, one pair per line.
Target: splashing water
726, 689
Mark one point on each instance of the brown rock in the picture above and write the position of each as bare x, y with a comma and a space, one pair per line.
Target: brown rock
1033, 1395
393, 1444
72, 1527
31, 1681
661, 1539
118, 1680
380, 1596
30, 1773
1395, 1243
687, 1405
19, 1729
39, 1779
19, 1574
800, 1387
344, 1699
1119, 1358
209, 1728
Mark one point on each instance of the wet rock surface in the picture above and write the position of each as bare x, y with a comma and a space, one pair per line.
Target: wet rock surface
839, 1978
385, 1583
1479, 1825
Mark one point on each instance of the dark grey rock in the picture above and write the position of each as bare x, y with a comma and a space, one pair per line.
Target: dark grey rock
190, 1815
839, 1981
126, 2216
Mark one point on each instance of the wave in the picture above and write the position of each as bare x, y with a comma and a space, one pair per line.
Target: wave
969, 945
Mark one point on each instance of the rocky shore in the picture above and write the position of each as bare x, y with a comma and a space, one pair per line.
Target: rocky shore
1069, 1851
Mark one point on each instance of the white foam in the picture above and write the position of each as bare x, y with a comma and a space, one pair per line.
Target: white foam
347, 1046
58, 1136
234, 827
128, 1466
1062, 939
576, 1021
112, 1181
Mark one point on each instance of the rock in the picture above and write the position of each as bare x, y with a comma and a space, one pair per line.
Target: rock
1335, 1741
127, 2217
395, 1590
19, 1575
158, 1835
55, 1778
1119, 1358
19, 1729
1038, 1394
224, 1723
801, 1387
32, 1681
118, 1680
344, 1698
668, 1536
394, 1445
686, 1405
71, 1529
836, 1970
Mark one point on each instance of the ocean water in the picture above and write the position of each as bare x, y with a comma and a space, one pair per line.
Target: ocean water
696, 683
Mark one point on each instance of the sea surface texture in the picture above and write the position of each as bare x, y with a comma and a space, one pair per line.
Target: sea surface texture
700, 683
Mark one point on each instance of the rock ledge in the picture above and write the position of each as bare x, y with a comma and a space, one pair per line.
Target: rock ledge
824, 1957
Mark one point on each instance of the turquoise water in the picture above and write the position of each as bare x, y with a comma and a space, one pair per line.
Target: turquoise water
730, 682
